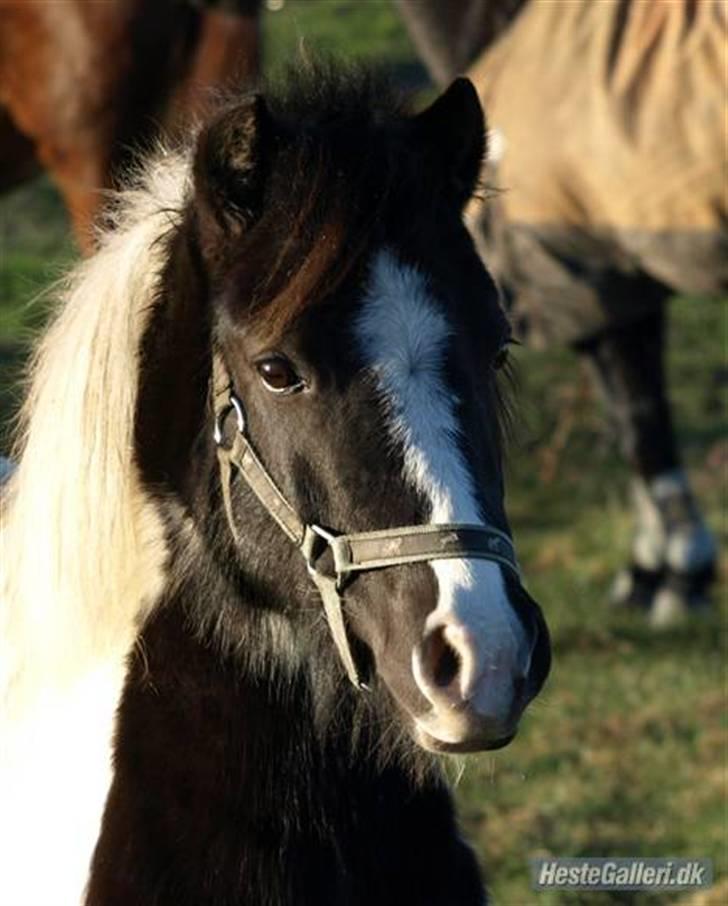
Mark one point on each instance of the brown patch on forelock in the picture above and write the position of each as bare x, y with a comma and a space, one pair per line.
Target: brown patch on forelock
324, 243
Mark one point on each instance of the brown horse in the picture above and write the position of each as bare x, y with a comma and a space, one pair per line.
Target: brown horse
84, 84
611, 148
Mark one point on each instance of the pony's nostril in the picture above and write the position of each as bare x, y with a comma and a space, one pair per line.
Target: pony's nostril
447, 666
442, 659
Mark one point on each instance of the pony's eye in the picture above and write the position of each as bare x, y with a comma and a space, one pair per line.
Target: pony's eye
278, 375
501, 358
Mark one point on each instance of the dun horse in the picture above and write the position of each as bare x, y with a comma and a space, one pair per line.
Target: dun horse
255, 559
612, 158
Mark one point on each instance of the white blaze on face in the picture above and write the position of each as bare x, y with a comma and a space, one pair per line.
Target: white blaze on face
404, 336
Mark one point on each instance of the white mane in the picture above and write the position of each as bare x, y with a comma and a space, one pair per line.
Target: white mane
80, 543
82, 552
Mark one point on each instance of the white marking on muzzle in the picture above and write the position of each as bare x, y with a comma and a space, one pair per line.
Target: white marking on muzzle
404, 336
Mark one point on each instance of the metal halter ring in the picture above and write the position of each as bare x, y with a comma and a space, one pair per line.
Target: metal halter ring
237, 406
312, 532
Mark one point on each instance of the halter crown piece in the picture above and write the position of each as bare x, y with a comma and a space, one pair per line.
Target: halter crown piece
354, 552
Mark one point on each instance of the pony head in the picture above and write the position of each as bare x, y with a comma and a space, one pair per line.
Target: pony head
323, 260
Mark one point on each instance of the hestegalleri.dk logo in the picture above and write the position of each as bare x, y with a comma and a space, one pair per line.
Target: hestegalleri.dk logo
620, 874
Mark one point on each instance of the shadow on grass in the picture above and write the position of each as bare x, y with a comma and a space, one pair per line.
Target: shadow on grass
701, 634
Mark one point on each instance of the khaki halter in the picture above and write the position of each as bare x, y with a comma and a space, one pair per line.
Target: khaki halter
354, 552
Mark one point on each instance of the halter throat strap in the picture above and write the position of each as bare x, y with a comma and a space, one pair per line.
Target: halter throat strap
349, 553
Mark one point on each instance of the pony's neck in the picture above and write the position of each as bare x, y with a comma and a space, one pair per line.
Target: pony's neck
225, 789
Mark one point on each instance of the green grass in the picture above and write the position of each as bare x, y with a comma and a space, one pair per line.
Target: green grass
34, 247
367, 31
625, 752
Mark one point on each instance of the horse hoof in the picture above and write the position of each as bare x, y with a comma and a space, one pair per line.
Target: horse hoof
681, 597
671, 609
634, 588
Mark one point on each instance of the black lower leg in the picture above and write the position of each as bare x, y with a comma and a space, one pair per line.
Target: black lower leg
672, 551
628, 364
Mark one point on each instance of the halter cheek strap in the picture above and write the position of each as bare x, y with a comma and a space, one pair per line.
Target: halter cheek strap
350, 553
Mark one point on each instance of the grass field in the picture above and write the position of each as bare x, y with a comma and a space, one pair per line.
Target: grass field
626, 751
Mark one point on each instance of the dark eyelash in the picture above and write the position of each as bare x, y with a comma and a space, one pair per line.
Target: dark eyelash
504, 387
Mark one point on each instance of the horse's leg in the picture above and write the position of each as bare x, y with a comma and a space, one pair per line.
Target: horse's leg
17, 155
81, 173
77, 167
226, 56
673, 552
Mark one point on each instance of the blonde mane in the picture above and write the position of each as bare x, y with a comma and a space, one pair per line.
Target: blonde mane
81, 545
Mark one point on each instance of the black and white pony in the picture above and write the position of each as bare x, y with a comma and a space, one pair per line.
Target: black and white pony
177, 722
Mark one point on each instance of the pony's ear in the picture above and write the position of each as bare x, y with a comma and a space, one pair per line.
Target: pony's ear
231, 164
452, 129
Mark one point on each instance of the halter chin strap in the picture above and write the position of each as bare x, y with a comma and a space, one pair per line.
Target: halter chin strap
350, 553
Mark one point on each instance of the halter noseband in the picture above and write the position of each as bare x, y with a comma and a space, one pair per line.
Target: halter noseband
351, 553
